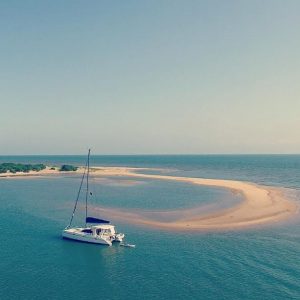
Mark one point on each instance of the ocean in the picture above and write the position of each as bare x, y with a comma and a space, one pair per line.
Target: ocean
255, 263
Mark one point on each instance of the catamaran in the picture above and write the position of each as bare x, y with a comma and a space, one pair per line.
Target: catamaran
96, 231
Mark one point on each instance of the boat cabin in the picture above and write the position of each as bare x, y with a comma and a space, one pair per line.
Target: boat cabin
101, 229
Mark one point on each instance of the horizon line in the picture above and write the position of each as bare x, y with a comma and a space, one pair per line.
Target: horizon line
155, 154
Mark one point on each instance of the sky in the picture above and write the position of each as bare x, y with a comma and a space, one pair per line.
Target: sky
149, 77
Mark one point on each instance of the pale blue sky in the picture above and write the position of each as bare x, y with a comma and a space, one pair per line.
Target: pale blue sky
145, 77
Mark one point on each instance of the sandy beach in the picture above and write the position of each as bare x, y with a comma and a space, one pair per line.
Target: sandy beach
260, 205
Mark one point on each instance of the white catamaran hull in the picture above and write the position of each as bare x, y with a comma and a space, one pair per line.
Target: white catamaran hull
67, 234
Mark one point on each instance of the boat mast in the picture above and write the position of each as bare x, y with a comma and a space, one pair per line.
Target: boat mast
78, 194
87, 185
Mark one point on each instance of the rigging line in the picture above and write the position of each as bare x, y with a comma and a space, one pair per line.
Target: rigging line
87, 185
78, 194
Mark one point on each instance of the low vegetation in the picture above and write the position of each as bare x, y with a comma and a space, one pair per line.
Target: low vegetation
68, 168
25, 168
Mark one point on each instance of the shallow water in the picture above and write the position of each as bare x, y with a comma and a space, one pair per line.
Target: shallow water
258, 263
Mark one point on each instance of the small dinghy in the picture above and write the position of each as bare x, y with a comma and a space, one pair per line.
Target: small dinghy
102, 233
127, 245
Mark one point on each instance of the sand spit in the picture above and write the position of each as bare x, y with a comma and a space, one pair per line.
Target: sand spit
261, 204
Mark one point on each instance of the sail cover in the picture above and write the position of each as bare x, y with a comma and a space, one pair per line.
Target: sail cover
95, 220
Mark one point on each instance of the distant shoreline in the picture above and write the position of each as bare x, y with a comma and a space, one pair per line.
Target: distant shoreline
261, 204
47, 171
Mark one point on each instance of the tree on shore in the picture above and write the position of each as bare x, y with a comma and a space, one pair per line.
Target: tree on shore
25, 168
68, 168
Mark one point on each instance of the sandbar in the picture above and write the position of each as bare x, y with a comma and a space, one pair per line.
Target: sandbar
260, 205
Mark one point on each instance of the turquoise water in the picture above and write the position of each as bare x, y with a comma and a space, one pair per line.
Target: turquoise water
258, 263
